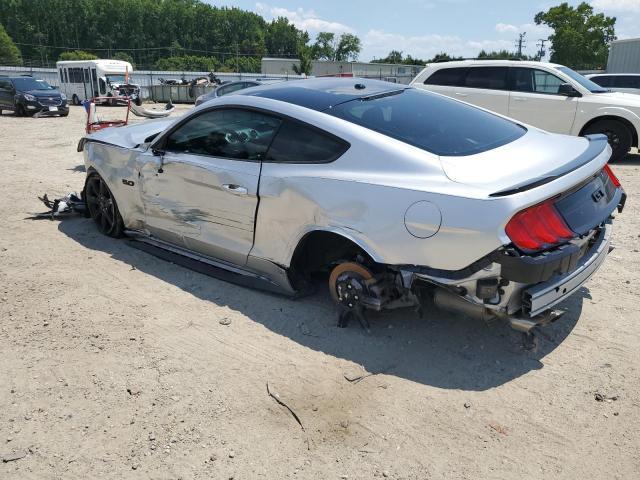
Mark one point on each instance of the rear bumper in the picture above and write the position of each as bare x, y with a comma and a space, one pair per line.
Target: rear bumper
545, 295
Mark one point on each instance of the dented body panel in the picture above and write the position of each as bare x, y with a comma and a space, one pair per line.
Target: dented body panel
403, 205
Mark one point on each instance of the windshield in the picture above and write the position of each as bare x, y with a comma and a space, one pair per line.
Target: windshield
431, 122
27, 83
116, 79
585, 82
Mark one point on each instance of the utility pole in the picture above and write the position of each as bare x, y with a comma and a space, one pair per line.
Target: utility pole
521, 42
541, 52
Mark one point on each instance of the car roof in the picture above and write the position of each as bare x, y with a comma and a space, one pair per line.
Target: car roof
467, 63
613, 75
322, 93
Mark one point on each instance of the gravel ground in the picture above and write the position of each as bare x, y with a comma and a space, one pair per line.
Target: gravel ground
115, 364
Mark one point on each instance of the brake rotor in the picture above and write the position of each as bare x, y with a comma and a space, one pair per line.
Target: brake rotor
346, 269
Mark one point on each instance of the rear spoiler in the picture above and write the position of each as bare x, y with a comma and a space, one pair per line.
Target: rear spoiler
597, 143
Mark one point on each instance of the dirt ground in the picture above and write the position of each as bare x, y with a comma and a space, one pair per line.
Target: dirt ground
115, 364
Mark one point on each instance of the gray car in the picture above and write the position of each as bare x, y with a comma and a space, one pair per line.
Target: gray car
399, 196
231, 87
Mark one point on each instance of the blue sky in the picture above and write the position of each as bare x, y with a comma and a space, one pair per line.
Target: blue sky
423, 28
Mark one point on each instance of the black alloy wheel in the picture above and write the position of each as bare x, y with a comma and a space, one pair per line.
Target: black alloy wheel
102, 206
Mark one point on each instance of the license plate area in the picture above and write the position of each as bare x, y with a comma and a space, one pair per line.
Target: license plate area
590, 205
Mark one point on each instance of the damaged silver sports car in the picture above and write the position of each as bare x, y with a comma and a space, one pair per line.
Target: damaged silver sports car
400, 197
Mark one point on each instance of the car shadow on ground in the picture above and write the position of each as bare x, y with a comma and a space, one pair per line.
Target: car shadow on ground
630, 159
443, 350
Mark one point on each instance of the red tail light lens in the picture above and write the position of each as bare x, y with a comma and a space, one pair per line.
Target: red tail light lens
612, 176
538, 227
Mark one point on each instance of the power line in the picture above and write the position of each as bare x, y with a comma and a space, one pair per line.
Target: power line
216, 52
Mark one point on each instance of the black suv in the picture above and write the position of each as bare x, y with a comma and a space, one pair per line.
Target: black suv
26, 95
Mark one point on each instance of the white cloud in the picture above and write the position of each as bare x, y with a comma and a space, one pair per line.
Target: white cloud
378, 43
617, 5
303, 19
506, 28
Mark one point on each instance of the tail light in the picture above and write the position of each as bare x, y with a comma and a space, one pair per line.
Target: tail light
612, 176
538, 227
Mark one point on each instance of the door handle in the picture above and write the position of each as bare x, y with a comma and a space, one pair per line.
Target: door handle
519, 99
235, 189
460, 94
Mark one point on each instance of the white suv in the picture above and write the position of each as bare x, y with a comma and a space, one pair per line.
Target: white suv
548, 96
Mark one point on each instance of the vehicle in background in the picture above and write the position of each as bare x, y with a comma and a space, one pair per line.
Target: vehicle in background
400, 197
82, 80
26, 95
617, 82
231, 87
546, 95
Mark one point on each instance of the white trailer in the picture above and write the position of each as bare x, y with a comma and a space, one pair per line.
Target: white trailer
84, 79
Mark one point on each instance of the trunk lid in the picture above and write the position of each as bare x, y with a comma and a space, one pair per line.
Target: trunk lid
534, 159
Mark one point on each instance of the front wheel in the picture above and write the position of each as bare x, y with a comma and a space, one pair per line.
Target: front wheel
618, 135
75, 100
103, 207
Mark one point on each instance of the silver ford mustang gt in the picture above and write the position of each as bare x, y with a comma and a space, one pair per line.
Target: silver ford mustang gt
400, 197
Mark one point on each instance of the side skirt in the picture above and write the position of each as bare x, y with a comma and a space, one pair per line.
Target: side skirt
205, 265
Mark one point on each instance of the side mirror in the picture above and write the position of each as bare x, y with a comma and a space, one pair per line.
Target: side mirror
568, 91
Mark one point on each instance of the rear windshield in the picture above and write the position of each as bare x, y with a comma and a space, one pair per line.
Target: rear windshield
429, 121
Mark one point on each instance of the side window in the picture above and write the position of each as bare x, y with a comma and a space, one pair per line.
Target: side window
452, 77
627, 81
491, 78
297, 143
103, 86
229, 133
603, 81
535, 81
227, 89
66, 76
61, 76
4, 85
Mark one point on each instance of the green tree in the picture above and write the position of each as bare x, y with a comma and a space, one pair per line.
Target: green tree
9, 52
580, 38
348, 48
443, 57
500, 55
394, 56
188, 63
284, 39
125, 57
306, 65
329, 47
77, 55
323, 48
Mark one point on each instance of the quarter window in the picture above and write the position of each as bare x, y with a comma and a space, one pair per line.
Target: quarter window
491, 78
296, 143
229, 133
535, 81
451, 77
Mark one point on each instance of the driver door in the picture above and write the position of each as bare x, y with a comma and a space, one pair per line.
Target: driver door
200, 187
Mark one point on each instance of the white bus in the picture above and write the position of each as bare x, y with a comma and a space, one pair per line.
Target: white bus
84, 79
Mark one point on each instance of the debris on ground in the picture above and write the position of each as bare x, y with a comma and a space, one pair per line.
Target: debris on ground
12, 457
498, 428
599, 397
68, 205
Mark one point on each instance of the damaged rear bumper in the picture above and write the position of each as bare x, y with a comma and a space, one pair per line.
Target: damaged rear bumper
545, 295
